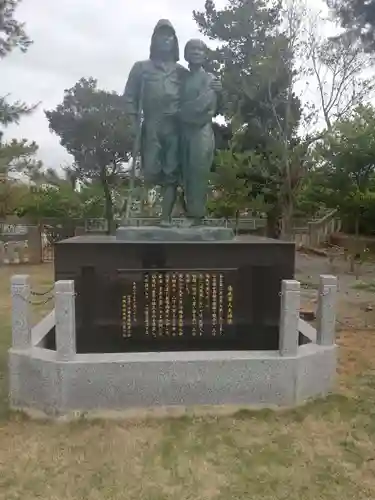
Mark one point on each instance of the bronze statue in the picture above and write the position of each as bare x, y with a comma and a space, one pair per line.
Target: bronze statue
199, 104
160, 89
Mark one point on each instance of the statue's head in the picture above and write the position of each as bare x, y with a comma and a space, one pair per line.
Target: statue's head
196, 52
164, 43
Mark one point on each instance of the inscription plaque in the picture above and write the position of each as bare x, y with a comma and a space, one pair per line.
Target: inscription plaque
177, 303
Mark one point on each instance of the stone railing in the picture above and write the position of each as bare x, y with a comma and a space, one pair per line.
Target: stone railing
242, 224
317, 232
62, 381
20, 244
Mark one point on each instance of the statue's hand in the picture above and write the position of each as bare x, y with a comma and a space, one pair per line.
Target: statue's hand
216, 85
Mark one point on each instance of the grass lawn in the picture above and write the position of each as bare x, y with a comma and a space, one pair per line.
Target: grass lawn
323, 450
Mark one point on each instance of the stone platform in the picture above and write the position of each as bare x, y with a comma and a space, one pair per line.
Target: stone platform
166, 234
60, 381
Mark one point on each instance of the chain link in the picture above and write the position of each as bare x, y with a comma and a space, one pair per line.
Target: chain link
41, 294
41, 303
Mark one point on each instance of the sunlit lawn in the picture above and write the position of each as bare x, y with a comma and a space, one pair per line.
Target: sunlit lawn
324, 450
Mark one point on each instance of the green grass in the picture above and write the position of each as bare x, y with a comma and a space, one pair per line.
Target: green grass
324, 449
41, 278
366, 286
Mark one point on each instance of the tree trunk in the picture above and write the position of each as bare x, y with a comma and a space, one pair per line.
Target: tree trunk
108, 205
356, 257
287, 222
357, 222
272, 224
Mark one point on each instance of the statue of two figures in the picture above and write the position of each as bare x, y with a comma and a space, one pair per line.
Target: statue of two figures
176, 136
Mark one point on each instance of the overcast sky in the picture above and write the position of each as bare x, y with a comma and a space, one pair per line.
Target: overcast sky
82, 38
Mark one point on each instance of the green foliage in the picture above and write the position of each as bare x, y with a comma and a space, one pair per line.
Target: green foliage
18, 157
12, 35
49, 201
94, 129
255, 60
12, 32
92, 201
12, 113
346, 159
11, 193
338, 65
358, 19
229, 189
309, 199
255, 64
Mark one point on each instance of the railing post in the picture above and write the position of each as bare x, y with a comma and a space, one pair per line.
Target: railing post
326, 315
2, 253
289, 317
21, 327
65, 320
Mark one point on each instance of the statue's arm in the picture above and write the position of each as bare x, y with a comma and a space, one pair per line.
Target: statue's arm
133, 89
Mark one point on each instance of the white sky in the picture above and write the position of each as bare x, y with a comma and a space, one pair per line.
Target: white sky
82, 38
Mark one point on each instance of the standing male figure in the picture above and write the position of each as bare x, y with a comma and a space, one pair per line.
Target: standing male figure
154, 87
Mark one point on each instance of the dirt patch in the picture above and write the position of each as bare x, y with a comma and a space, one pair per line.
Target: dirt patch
355, 307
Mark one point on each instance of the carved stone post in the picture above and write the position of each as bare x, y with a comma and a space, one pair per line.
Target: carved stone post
326, 315
65, 320
21, 327
289, 317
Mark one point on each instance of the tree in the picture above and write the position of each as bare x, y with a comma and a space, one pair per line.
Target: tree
17, 164
358, 19
255, 59
12, 113
337, 66
13, 32
250, 48
18, 157
273, 189
46, 201
11, 194
67, 178
229, 190
15, 156
12, 35
92, 201
94, 129
347, 165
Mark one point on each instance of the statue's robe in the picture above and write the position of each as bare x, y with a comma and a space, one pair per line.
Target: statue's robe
199, 104
154, 87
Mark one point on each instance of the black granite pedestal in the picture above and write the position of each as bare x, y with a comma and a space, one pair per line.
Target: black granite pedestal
168, 295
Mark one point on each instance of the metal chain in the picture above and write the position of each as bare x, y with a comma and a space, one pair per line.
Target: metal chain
41, 303
41, 294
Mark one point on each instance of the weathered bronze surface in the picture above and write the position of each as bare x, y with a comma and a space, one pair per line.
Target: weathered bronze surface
177, 107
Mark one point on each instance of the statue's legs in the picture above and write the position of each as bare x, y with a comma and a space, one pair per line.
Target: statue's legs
170, 165
197, 150
169, 194
160, 161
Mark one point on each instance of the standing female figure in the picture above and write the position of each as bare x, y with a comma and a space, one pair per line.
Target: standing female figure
198, 108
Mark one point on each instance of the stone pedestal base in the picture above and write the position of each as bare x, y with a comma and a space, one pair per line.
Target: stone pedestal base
157, 233
165, 295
